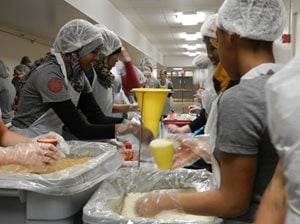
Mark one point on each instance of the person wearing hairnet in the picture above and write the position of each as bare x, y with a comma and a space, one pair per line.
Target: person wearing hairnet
7, 94
126, 77
281, 201
103, 79
246, 31
217, 81
57, 89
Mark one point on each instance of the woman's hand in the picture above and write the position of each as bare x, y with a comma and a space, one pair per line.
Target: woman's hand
31, 155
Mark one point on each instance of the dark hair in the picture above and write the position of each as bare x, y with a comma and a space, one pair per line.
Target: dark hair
25, 60
118, 51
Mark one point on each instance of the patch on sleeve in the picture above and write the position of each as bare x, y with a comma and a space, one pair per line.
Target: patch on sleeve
55, 85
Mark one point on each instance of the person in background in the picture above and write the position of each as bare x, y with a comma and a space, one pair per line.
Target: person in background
59, 88
246, 32
126, 77
26, 61
149, 81
201, 79
216, 83
166, 84
19, 78
7, 94
102, 85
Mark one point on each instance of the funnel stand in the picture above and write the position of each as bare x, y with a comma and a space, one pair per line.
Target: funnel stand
141, 132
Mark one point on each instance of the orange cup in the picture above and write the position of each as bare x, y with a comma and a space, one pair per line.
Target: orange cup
52, 141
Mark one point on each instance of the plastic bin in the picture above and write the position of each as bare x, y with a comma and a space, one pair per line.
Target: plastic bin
56, 198
107, 202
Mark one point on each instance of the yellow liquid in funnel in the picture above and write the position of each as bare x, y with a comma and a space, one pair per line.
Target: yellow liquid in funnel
163, 152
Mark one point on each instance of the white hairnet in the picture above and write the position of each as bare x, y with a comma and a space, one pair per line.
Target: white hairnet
201, 61
209, 27
111, 42
282, 92
145, 62
253, 19
76, 34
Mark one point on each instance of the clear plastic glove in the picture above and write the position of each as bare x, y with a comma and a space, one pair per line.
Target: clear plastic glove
133, 107
31, 155
141, 133
173, 128
189, 150
62, 146
153, 203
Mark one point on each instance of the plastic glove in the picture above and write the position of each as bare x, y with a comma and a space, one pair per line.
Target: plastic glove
31, 155
62, 145
189, 150
153, 203
128, 127
133, 107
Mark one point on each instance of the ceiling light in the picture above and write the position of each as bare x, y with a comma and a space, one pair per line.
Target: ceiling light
192, 54
189, 19
190, 36
193, 47
178, 69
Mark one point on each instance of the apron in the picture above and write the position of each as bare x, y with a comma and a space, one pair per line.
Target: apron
212, 121
103, 96
49, 121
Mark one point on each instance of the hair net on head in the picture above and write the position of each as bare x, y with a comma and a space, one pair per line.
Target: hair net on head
145, 62
201, 61
22, 68
76, 34
253, 19
111, 42
209, 27
282, 93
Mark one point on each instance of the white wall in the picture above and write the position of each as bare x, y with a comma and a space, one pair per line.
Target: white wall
13, 48
103, 12
178, 61
296, 37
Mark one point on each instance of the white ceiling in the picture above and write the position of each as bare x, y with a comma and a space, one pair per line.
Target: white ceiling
41, 19
156, 20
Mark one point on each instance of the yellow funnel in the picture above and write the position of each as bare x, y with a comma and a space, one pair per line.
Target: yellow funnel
151, 102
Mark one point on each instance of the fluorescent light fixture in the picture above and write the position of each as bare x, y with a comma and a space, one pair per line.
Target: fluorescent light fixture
192, 54
178, 69
189, 19
190, 36
193, 47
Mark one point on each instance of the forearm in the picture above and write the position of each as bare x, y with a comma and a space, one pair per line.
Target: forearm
70, 116
273, 205
209, 203
120, 108
93, 112
130, 79
9, 138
